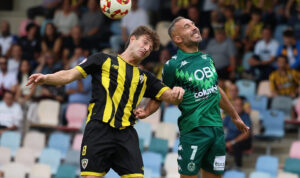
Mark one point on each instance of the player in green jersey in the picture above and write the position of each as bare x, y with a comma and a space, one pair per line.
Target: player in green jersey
202, 143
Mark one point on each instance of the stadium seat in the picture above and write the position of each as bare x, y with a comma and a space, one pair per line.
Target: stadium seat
144, 131
153, 119
298, 108
247, 88
284, 104
77, 142
162, 31
36, 141
48, 112
171, 114
280, 28
175, 146
60, 141
160, 146
147, 173
267, 164
256, 122
234, 174
40, 171
287, 175
141, 144
14, 170
295, 150
4, 156
171, 165
112, 174
73, 158
75, 115
273, 121
25, 156
167, 131
258, 103
292, 165
11, 140
51, 157
259, 175
66, 171
264, 89
153, 162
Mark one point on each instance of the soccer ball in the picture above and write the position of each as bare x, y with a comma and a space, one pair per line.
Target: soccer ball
115, 9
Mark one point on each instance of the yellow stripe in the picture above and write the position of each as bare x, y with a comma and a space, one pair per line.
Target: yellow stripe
133, 86
90, 108
86, 173
143, 90
161, 92
105, 83
132, 175
120, 88
83, 73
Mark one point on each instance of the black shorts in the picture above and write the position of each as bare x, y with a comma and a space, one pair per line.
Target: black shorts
104, 147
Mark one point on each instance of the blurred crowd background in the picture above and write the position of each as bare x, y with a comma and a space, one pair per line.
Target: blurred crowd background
255, 45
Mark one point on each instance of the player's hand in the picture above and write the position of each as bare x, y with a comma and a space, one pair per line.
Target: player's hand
140, 113
241, 125
177, 94
36, 79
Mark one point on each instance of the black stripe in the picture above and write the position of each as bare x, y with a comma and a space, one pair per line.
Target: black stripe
125, 96
135, 98
113, 76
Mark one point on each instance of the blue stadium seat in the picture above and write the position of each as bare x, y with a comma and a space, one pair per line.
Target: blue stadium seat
259, 175
171, 114
247, 88
52, 158
160, 146
175, 147
268, 164
73, 158
234, 174
66, 171
60, 141
284, 104
153, 162
292, 165
273, 122
259, 103
11, 140
144, 131
112, 174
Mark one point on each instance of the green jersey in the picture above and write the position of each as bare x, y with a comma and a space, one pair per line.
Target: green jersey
196, 74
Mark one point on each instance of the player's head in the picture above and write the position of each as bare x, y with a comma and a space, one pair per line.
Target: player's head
142, 42
183, 32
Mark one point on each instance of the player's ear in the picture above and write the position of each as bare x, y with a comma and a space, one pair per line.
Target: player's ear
132, 38
177, 39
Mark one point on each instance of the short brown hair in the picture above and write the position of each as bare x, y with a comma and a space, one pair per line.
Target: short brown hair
143, 30
171, 27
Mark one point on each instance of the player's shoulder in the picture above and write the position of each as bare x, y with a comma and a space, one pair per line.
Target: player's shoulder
100, 56
172, 62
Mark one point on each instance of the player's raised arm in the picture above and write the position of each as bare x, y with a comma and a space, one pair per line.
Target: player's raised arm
173, 96
59, 78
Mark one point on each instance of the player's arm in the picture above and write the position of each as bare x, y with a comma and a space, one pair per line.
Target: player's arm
151, 107
59, 78
228, 108
173, 96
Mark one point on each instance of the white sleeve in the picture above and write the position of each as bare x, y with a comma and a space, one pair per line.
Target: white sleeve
274, 48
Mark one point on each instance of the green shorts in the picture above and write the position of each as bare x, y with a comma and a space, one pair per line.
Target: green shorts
203, 147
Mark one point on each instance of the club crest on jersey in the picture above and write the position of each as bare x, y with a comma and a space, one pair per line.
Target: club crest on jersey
84, 163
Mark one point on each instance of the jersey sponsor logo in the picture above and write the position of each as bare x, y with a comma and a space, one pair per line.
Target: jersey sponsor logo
184, 63
206, 92
191, 166
206, 71
219, 163
84, 163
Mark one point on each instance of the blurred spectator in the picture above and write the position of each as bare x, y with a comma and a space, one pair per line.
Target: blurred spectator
232, 28
11, 113
15, 58
284, 81
8, 80
91, 22
237, 142
134, 18
152, 7
290, 49
31, 45
294, 22
179, 7
194, 15
233, 93
254, 27
65, 19
264, 55
206, 36
72, 42
208, 6
51, 41
6, 39
23, 92
215, 20
223, 52
291, 8
46, 9
48, 64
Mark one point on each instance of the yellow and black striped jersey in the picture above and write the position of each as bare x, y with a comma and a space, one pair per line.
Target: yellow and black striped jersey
117, 88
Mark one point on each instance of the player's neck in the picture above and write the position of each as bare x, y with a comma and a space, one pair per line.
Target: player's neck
129, 59
189, 49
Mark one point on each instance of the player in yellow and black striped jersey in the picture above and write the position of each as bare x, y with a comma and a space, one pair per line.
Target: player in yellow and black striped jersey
118, 86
